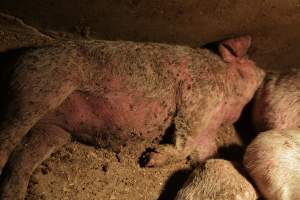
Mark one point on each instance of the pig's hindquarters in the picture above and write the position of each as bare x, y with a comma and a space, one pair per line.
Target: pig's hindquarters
38, 145
273, 161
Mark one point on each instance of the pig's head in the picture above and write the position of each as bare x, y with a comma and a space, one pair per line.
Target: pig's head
245, 76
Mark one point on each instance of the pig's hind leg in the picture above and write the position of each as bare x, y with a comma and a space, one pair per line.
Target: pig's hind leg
42, 80
41, 141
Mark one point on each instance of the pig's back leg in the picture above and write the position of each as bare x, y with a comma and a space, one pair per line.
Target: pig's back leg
41, 141
43, 79
273, 161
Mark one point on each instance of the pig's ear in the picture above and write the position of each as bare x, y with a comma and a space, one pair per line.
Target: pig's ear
234, 49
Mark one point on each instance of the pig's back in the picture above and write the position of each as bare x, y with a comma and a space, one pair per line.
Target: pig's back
277, 102
151, 67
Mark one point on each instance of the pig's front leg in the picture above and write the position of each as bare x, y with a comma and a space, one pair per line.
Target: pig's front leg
195, 129
186, 140
167, 153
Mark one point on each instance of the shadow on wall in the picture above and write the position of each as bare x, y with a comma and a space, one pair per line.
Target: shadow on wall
274, 24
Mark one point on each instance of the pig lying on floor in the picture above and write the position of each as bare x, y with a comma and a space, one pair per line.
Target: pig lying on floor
111, 93
273, 158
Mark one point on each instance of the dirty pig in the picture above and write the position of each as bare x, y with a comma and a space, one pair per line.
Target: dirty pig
273, 161
277, 102
109, 93
273, 158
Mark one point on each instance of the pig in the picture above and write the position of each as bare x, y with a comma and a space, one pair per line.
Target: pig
273, 161
114, 93
277, 102
217, 179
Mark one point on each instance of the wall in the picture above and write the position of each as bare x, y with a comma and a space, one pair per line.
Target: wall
274, 24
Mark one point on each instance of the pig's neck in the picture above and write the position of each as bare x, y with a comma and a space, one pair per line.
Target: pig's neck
236, 98
206, 144
232, 111
216, 121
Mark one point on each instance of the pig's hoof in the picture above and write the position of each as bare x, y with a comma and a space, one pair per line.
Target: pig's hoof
156, 159
151, 158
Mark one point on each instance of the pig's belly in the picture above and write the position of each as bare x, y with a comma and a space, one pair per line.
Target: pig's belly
114, 118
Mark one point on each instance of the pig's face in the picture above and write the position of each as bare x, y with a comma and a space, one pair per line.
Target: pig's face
245, 77
248, 76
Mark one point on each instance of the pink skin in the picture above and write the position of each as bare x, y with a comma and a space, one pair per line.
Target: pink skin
86, 116
113, 93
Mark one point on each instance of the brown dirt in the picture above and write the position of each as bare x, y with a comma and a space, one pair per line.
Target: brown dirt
82, 172
273, 24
